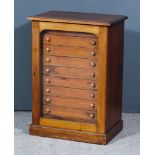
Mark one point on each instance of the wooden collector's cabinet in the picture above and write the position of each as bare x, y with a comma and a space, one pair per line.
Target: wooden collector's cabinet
77, 65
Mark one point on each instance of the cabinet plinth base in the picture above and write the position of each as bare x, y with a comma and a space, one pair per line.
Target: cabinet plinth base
88, 137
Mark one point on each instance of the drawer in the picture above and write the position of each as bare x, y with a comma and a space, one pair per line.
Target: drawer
68, 113
69, 62
70, 51
70, 92
70, 72
70, 103
67, 40
69, 33
69, 82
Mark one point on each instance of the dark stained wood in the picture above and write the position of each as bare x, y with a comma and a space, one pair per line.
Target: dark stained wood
69, 62
70, 103
69, 82
114, 75
78, 52
70, 72
79, 18
70, 92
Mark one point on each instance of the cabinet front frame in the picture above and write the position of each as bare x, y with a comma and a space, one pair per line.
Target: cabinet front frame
101, 34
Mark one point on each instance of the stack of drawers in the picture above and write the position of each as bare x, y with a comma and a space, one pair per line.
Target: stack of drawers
69, 76
77, 70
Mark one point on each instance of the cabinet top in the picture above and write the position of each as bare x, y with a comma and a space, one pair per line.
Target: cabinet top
79, 18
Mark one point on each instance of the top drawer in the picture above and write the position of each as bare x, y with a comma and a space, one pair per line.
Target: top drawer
65, 39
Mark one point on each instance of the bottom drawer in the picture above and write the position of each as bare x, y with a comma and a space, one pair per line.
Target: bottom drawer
67, 113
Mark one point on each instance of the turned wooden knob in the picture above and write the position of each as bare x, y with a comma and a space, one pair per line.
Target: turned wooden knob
93, 53
47, 49
92, 74
91, 115
48, 38
92, 105
48, 59
93, 64
93, 42
92, 95
48, 90
92, 85
48, 80
48, 100
47, 110
47, 70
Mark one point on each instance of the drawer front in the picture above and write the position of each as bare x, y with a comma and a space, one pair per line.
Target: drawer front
69, 62
68, 113
69, 82
70, 51
70, 92
70, 72
70, 41
69, 103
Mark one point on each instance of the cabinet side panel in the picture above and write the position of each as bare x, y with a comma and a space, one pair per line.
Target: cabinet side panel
114, 75
35, 72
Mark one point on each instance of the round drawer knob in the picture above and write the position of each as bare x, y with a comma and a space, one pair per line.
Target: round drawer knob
48, 110
93, 42
47, 49
48, 80
47, 70
48, 59
92, 105
48, 38
92, 74
93, 53
93, 64
93, 85
48, 90
92, 95
48, 100
91, 115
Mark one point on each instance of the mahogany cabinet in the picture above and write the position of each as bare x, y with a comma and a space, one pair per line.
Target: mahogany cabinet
77, 65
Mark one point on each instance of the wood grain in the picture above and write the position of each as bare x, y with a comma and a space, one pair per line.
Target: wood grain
35, 72
69, 113
68, 125
68, 33
70, 92
79, 52
69, 62
69, 41
76, 135
70, 72
44, 26
62, 67
114, 74
69, 82
79, 18
102, 77
70, 103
